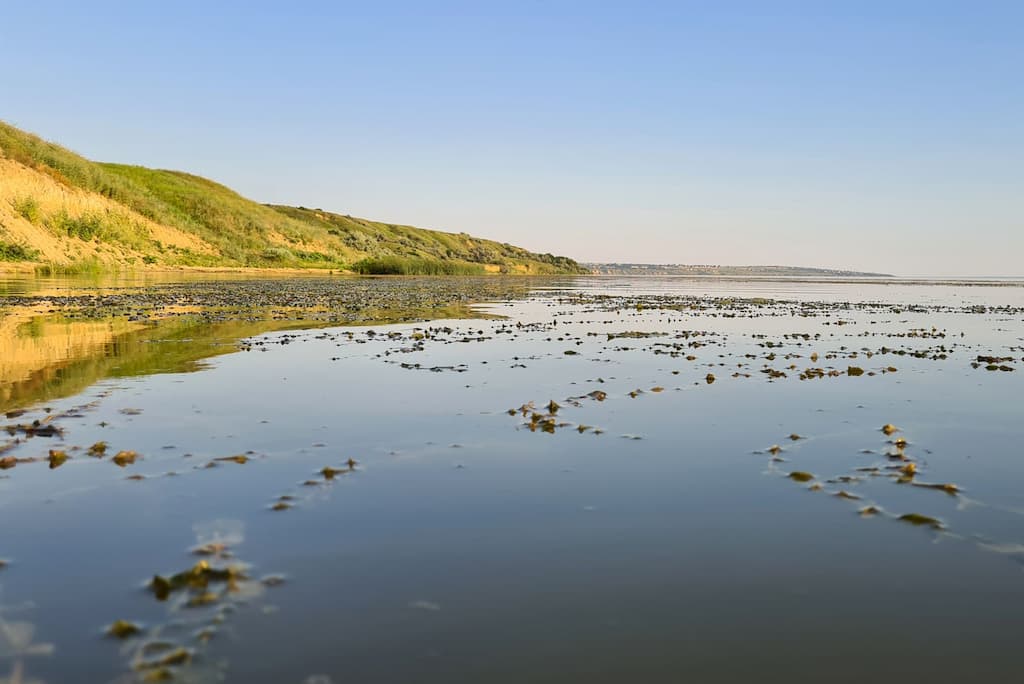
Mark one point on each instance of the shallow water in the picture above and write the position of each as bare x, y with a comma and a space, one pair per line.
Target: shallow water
652, 533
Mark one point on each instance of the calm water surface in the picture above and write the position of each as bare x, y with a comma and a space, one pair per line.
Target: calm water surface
396, 502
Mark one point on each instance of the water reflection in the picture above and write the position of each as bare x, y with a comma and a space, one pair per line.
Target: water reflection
60, 336
18, 645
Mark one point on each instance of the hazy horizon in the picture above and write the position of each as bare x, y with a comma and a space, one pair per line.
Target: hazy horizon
905, 276
880, 137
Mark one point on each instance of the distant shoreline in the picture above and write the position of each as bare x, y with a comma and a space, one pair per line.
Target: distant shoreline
966, 281
717, 270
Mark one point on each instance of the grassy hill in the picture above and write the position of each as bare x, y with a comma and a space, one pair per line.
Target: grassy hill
67, 213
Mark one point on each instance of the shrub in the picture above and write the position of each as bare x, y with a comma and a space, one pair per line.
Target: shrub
277, 254
93, 267
84, 227
13, 251
393, 265
28, 208
103, 226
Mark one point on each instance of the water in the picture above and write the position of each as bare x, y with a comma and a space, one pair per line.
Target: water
650, 534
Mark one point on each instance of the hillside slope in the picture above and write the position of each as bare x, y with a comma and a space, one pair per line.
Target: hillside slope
60, 209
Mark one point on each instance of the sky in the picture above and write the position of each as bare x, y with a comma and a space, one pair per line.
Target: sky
880, 136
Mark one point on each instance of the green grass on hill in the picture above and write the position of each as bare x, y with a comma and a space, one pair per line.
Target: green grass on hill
375, 239
242, 232
238, 228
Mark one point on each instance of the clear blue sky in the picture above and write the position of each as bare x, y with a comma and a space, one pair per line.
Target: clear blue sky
873, 135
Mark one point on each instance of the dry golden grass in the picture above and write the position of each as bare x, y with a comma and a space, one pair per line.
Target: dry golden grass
19, 183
